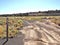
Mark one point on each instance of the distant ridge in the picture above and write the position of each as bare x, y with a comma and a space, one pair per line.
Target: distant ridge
39, 13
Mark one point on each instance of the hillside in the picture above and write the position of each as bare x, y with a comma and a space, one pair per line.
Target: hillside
39, 13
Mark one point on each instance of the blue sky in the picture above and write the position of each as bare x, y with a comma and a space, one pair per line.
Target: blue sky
22, 6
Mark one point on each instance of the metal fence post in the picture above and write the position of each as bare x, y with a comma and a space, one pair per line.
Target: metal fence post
6, 31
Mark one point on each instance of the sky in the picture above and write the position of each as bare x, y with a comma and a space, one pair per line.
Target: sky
23, 6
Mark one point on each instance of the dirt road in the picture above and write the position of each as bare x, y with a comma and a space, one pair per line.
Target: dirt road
50, 33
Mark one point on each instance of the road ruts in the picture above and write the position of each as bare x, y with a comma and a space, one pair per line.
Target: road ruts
50, 32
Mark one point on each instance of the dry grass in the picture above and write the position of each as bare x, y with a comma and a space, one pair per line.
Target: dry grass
16, 22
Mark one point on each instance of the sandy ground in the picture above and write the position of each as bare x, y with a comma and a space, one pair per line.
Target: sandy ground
49, 30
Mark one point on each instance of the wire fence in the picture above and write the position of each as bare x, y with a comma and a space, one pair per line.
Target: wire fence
11, 26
